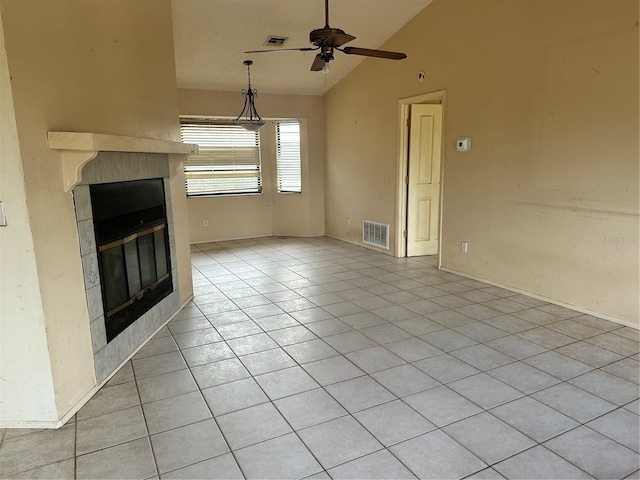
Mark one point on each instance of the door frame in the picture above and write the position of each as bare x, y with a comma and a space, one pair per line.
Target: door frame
404, 111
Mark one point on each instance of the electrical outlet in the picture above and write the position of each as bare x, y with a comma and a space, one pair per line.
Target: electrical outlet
205, 223
348, 222
464, 246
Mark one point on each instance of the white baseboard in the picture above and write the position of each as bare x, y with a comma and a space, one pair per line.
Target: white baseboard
81, 403
545, 299
230, 239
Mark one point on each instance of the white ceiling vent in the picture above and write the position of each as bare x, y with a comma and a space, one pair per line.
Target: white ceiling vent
376, 234
275, 41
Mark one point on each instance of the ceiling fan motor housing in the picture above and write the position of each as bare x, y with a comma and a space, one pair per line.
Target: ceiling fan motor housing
331, 37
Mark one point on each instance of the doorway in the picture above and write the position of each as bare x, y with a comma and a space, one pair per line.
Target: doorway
420, 173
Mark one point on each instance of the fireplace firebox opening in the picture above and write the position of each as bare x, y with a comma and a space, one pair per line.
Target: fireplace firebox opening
132, 239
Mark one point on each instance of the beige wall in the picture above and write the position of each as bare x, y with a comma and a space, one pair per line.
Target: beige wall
104, 67
25, 370
181, 228
548, 92
269, 213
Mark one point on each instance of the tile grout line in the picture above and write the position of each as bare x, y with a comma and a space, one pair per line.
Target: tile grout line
287, 284
144, 417
320, 387
251, 375
560, 380
213, 417
75, 448
517, 360
350, 414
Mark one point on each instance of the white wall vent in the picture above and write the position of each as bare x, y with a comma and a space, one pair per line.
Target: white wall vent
376, 234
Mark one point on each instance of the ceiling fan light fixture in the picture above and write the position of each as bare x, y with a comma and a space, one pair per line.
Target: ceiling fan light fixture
328, 39
251, 121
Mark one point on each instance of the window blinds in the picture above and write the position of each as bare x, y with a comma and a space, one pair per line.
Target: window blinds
288, 156
228, 161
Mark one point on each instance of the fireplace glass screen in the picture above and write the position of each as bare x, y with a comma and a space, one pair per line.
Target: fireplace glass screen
132, 266
134, 258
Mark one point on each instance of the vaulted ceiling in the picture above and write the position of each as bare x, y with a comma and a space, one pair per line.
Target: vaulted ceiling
210, 38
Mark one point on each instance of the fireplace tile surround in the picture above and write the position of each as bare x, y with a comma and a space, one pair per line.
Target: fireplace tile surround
108, 167
52, 364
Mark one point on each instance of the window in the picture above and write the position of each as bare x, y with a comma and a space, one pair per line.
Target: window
288, 156
228, 161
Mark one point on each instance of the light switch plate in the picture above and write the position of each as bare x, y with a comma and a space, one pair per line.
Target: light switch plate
3, 217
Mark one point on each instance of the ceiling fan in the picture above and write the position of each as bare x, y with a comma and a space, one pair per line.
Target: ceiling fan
328, 39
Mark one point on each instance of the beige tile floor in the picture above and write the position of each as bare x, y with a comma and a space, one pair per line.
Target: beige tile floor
315, 358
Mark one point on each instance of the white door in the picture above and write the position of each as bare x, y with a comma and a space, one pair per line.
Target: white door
423, 198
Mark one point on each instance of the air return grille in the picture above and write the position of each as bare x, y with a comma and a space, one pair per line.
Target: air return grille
275, 41
376, 234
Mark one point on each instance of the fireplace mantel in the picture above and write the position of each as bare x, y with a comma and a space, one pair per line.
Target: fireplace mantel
78, 148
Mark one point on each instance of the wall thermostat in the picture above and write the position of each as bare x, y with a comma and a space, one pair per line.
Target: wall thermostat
463, 144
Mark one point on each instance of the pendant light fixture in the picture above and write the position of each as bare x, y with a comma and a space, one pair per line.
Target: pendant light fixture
249, 118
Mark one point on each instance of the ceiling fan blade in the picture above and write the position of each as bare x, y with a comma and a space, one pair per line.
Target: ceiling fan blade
338, 39
318, 63
303, 49
367, 52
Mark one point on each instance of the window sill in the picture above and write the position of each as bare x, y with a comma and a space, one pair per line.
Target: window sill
224, 195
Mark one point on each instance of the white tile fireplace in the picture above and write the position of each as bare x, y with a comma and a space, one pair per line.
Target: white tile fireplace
109, 168
92, 161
